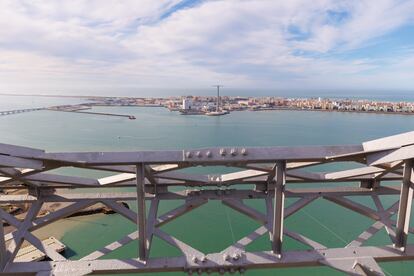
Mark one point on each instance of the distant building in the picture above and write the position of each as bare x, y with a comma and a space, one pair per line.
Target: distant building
187, 104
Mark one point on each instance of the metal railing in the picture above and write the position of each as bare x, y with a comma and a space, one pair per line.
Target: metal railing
269, 174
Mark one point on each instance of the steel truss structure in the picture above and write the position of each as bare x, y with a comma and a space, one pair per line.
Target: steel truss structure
263, 173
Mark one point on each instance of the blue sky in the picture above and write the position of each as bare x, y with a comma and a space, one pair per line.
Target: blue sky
48, 46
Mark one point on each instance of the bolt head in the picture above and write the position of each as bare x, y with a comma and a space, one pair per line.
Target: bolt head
198, 154
233, 152
194, 259
188, 154
208, 154
223, 152
243, 151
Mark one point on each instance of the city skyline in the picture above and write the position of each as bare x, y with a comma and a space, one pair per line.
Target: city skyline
94, 46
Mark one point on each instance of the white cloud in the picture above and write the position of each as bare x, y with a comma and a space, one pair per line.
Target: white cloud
282, 44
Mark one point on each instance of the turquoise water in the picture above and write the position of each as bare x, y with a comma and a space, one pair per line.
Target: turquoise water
212, 227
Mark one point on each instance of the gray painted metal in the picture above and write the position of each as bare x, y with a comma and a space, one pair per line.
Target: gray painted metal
141, 219
2, 243
272, 170
278, 212
406, 197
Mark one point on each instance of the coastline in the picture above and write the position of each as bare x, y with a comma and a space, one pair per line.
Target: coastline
326, 110
59, 228
173, 103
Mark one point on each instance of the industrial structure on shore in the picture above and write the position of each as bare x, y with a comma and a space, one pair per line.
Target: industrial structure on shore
190, 108
202, 105
385, 167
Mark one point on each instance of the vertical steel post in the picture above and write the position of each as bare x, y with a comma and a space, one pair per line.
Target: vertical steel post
2, 244
278, 213
141, 219
404, 210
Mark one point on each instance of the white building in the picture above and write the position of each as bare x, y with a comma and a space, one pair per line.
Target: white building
187, 104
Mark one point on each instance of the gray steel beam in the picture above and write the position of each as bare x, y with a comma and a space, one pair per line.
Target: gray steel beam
215, 261
206, 156
404, 210
214, 194
354, 206
278, 213
2, 244
152, 219
111, 247
188, 206
158, 169
19, 234
238, 205
141, 218
304, 240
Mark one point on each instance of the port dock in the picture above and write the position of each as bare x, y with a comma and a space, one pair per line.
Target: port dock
131, 117
81, 109
31, 254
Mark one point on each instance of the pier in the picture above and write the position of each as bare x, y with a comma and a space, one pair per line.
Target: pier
18, 111
81, 109
131, 117
261, 174
31, 254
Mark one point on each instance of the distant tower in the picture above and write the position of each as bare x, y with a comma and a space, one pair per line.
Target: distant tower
218, 97
187, 104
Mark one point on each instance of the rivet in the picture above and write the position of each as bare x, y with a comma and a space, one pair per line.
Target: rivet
226, 257
236, 256
233, 152
208, 153
198, 154
188, 154
243, 151
203, 259
194, 259
222, 152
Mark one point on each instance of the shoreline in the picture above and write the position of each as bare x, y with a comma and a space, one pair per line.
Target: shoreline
339, 111
404, 108
59, 228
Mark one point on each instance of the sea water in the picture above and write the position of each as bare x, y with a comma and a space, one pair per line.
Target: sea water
212, 227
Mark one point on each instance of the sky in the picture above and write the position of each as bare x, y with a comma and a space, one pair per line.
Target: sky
111, 45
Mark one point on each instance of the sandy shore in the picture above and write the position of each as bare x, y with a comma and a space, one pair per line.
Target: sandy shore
58, 228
